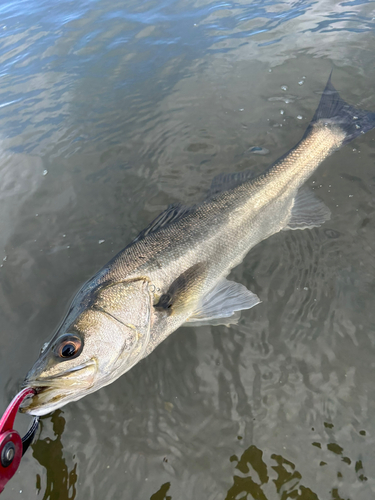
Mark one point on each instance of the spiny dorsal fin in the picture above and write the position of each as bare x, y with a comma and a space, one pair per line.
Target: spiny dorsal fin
184, 292
224, 182
174, 212
307, 211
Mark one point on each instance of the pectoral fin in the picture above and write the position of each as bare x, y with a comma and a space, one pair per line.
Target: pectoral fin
220, 306
183, 294
307, 211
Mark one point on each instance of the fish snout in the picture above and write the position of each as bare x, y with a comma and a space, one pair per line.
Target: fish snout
55, 391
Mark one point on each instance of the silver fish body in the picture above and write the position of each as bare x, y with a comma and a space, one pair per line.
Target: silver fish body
174, 273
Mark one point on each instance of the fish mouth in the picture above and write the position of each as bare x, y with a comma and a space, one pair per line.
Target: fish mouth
56, 391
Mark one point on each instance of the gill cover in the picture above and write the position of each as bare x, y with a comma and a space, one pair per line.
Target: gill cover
129, 304
112, 332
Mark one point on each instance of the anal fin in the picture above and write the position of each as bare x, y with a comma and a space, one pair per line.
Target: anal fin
307, 211
222, 303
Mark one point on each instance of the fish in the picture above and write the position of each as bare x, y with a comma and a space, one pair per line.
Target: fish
175, 271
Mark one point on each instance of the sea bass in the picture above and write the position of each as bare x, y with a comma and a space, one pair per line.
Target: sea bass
174, 272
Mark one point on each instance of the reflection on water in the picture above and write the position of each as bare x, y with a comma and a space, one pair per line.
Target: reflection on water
265, 478
60, 482
254, 481
287, 481
162, 493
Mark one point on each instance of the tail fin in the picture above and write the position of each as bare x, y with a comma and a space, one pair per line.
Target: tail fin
333, 109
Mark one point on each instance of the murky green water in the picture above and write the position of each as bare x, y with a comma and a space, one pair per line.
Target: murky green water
111, 110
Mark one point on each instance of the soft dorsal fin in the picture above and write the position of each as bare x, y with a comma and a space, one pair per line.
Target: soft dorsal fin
224, 182
174, 212
307, 211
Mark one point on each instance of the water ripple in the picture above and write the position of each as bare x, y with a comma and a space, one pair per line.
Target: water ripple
129, 107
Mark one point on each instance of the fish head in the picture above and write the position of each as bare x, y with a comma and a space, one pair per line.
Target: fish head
104, 341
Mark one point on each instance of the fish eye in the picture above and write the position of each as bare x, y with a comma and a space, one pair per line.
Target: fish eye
69, 346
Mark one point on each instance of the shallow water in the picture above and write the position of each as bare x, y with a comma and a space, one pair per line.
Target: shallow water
109, 112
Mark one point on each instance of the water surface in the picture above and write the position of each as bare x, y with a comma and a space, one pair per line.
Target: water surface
109, 112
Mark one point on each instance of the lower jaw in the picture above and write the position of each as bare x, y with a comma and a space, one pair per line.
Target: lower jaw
61, 391
44, 401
